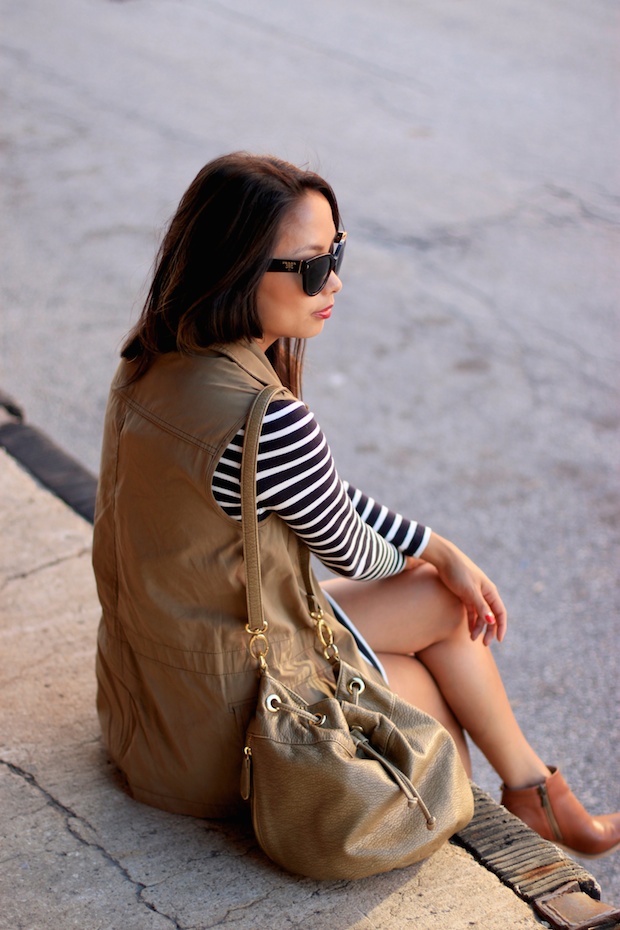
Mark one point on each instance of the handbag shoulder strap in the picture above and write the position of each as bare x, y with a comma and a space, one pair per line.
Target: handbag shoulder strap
257, 625
249, 520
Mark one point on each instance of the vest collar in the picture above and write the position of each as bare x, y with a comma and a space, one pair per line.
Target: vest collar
250, 358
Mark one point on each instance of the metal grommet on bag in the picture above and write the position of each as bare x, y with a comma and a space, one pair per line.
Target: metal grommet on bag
273, 703
356, 685
320, 720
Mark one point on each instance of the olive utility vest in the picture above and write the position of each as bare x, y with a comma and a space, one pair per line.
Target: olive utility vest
176, 683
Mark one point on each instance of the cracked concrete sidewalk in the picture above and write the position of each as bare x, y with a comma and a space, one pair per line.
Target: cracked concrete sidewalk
79, 853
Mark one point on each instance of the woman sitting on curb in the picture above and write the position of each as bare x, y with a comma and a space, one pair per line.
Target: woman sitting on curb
248, 270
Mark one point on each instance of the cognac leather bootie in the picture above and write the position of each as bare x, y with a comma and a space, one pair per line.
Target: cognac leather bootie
553, 811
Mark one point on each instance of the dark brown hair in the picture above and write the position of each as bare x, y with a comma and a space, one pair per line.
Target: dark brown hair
215, 251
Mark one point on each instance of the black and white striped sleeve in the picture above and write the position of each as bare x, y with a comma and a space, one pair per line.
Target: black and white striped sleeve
296, 477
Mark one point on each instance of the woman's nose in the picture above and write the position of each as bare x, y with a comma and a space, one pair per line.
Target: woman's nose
334, 284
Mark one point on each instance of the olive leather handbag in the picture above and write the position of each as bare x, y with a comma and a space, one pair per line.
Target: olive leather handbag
356, 784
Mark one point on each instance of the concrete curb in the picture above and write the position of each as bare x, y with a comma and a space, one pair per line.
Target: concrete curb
47, 462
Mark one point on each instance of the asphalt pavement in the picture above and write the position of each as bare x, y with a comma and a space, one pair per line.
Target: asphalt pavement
469, 374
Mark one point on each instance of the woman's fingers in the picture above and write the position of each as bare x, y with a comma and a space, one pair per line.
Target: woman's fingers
488, 617
483, 624
497, 609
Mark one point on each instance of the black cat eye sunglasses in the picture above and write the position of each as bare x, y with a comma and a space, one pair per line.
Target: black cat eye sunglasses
314, 271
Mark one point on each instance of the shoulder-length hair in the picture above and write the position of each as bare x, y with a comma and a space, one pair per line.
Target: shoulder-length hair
214, 253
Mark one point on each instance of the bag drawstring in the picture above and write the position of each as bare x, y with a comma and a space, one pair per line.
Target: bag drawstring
405, 784
274, 704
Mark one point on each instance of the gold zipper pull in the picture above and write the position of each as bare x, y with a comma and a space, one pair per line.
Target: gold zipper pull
246, 774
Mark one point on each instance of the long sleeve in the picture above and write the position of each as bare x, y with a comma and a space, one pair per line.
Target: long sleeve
349, 532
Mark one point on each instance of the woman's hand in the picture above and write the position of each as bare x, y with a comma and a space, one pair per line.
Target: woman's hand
485, 610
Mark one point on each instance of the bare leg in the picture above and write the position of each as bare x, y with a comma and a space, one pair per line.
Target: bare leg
451, 677
411, 680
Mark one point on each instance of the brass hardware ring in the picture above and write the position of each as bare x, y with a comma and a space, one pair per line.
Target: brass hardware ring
324, 633
331, 652
259, 647
257, 632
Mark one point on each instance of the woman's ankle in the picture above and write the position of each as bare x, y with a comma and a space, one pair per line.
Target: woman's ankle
531, 779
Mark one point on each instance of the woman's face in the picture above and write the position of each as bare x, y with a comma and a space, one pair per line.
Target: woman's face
284, 309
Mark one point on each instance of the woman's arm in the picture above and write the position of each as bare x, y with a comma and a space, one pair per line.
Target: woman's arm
297, 478
348, 531
408, 536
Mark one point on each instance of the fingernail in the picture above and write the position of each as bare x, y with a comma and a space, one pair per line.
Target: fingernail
489, 618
